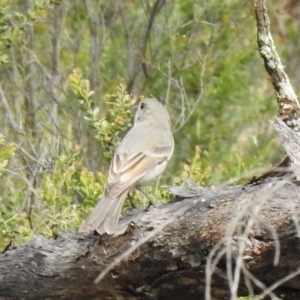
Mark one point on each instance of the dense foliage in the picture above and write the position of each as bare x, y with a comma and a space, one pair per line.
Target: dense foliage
71, 70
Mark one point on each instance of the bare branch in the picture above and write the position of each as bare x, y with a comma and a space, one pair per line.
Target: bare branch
30, 101
136, 57
12, 123
93, 18
288, 105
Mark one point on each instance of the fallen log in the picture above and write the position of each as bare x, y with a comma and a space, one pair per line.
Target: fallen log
256, 225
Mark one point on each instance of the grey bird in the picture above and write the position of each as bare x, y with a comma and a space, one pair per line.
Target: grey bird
141, 157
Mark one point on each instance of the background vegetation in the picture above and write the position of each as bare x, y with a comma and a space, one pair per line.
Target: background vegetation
70, 71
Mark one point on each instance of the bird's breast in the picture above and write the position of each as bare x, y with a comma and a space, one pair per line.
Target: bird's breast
153, 174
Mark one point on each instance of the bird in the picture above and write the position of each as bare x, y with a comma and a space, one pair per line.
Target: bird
141, 157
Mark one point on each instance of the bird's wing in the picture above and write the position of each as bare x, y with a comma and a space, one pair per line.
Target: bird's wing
126, 170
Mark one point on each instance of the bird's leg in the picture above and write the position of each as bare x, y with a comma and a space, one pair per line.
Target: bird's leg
150, 203
131, 201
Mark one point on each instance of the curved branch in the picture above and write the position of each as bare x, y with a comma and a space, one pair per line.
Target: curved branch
288, 105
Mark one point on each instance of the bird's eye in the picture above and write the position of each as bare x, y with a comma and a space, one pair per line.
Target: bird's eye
142, 105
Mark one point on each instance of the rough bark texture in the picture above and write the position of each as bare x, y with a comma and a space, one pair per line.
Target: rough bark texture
288, 105
290, 140
172, 264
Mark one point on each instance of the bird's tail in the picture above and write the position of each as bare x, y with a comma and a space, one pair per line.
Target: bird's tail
105, 216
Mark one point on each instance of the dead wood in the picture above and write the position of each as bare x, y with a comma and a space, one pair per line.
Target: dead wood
173, 263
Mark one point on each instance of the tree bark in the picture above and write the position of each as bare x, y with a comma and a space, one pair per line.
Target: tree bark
254, 226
